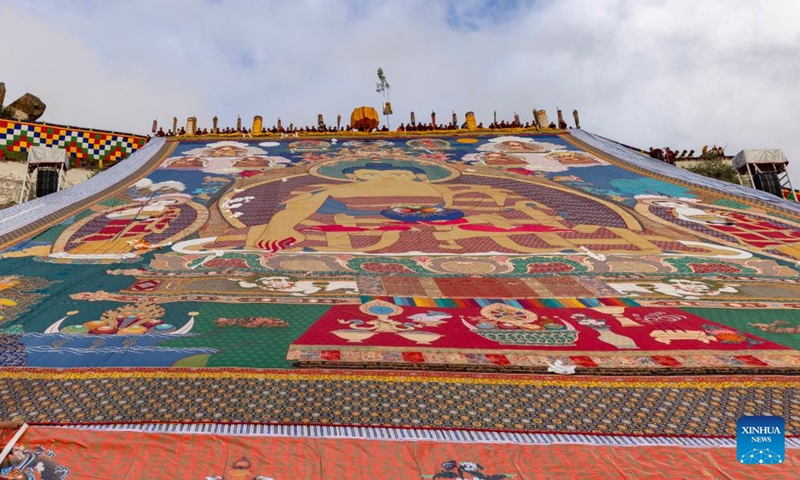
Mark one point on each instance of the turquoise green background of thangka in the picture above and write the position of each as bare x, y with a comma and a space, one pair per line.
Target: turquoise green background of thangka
237, 346
743, 318
247, 347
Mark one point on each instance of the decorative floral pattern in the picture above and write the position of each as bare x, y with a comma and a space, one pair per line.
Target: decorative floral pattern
704, 406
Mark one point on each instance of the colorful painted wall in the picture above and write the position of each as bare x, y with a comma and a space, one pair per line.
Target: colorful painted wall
88, 147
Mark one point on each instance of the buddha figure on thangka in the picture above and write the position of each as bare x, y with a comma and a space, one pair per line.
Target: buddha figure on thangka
401, 205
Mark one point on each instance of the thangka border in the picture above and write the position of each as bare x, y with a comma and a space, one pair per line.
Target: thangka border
658, 169
507, 403
489, 378
415, 434
27, 219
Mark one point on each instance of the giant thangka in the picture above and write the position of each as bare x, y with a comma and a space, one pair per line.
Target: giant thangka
426, 282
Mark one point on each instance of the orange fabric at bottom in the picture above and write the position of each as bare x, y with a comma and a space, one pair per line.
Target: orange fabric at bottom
135, 455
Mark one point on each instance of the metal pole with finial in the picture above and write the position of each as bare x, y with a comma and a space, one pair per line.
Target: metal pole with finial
383, 88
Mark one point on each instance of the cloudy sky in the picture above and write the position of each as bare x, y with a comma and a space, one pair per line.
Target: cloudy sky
643, 72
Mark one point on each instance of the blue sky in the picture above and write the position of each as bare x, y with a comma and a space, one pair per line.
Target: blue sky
484, 14
644, 72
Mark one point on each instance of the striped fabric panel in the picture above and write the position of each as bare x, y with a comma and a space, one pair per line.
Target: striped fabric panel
519, 303
410, 434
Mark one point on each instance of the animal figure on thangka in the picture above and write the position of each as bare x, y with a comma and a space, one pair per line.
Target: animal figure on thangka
778, 326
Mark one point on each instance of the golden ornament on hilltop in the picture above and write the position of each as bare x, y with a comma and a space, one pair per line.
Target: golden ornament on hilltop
364, 119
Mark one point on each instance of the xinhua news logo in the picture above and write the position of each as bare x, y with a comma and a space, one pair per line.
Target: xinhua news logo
760, 440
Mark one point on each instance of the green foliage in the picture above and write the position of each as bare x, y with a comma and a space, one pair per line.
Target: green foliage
15, 156
716, 169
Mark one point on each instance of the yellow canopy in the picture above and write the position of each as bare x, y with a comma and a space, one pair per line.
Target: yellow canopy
364, 119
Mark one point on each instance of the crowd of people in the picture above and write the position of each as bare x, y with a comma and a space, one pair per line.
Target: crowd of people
518, 124
427, 127
669, 155
665, 154
274, 130
322, 128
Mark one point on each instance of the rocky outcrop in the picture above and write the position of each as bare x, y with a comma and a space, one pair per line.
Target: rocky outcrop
27, 108
2, 94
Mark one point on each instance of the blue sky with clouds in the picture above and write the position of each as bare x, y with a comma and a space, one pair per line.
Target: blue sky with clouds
644, 72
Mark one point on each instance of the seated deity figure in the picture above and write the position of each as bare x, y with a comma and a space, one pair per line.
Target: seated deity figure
191, 163
128, 226
386, 207
501, 159
521, 147
252, 162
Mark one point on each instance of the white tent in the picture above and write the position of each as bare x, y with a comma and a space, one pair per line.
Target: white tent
773, 156
766, 170
41, 158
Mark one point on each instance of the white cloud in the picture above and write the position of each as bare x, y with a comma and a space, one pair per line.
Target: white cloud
645, 72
